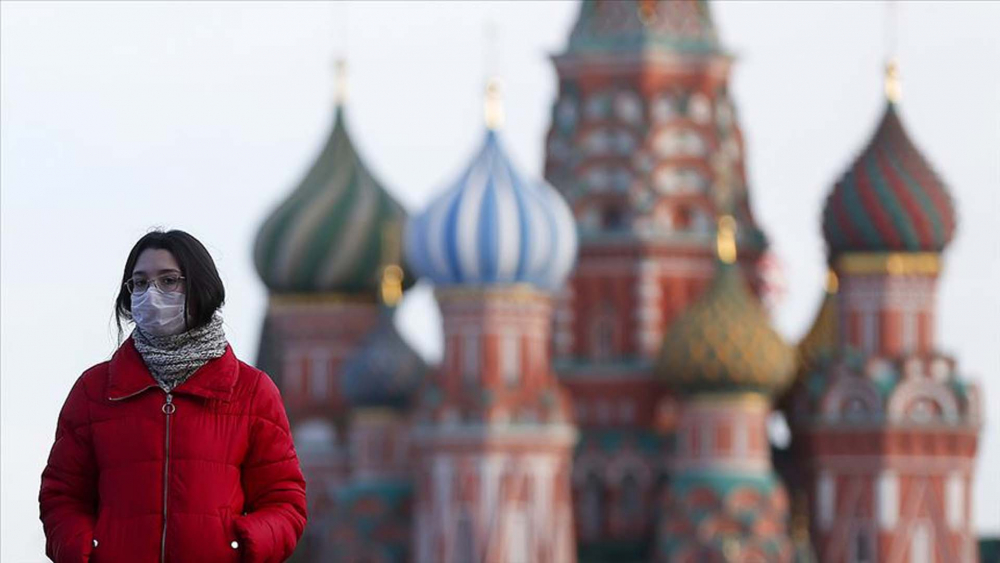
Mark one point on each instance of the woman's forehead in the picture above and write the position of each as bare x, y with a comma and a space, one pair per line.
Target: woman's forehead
155, 261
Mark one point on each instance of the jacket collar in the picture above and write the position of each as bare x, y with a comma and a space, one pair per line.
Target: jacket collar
128, 375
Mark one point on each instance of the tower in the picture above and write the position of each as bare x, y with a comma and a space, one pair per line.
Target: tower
320, 255
881, 420
493, 436
372, 517
724, 501
645, 146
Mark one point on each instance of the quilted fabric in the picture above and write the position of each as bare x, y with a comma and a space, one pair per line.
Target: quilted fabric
225, 454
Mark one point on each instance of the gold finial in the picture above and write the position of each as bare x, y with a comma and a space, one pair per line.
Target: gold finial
832, 282
494, 107
391, 287
340, 88
647, 12
726, 239
893, 90
391, 290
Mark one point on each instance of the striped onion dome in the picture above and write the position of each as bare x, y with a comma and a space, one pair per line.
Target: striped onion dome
494, 226
889, 199
327, 236
724, 342
386, 371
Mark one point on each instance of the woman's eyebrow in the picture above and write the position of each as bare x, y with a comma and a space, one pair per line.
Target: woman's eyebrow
159, 272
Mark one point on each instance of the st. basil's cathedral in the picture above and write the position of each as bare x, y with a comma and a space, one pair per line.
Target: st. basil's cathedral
608, 366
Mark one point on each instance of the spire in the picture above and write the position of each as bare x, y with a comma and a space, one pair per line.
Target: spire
893, 90
832, 282
892, 86
391, 286
493, 106
340, 88
726, 239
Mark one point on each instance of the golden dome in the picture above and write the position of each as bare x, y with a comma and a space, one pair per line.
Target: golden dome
724, 342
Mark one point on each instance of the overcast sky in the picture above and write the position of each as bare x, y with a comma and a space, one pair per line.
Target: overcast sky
202, 116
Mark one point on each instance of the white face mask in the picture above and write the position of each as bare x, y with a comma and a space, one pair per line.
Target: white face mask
158, 313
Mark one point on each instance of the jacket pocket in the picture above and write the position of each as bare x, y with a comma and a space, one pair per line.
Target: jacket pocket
96, 549
233, 545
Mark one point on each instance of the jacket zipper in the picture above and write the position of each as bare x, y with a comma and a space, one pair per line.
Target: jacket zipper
168, 408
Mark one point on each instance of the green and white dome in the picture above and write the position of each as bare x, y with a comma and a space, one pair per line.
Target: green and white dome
330, 234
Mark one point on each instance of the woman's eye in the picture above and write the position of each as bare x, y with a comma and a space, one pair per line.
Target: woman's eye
140, 284
169, 281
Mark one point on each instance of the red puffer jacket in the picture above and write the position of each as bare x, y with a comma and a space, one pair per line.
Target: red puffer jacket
207, 473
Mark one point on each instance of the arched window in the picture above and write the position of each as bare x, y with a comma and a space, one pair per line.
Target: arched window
597, 142
663, 108
598, 106
598, 178
628, 107
699, 108
566, 113
613, 218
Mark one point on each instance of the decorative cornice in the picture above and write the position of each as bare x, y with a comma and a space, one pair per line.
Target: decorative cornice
889, 263
324, 298
520, 292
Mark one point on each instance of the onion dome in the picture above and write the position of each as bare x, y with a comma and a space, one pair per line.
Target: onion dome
327, 236
494, 226
820, 343
889, 199
724, 341
386, 371
605, 26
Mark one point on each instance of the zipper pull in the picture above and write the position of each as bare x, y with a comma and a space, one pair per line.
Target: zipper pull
169, 407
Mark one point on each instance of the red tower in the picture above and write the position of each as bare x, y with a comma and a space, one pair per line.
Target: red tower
883, 424
724, 502
493, 436
645, 146
320, 254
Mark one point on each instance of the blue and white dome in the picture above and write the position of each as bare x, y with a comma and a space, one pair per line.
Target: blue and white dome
493, 227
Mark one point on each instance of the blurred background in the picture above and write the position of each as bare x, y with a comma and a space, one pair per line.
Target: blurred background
117, 117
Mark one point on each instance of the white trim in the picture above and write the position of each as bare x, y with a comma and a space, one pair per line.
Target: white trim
910, 332
510, 359
954, 497
922, 542
826, 497
888, 499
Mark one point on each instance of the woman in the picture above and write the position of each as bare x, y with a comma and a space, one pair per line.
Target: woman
174, 450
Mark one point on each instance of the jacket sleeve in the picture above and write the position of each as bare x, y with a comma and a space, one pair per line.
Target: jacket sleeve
273, 485
68, 496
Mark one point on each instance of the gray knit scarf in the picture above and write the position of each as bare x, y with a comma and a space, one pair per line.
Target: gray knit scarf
172, 359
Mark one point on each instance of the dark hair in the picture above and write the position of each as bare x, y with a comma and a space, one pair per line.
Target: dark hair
202, 284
